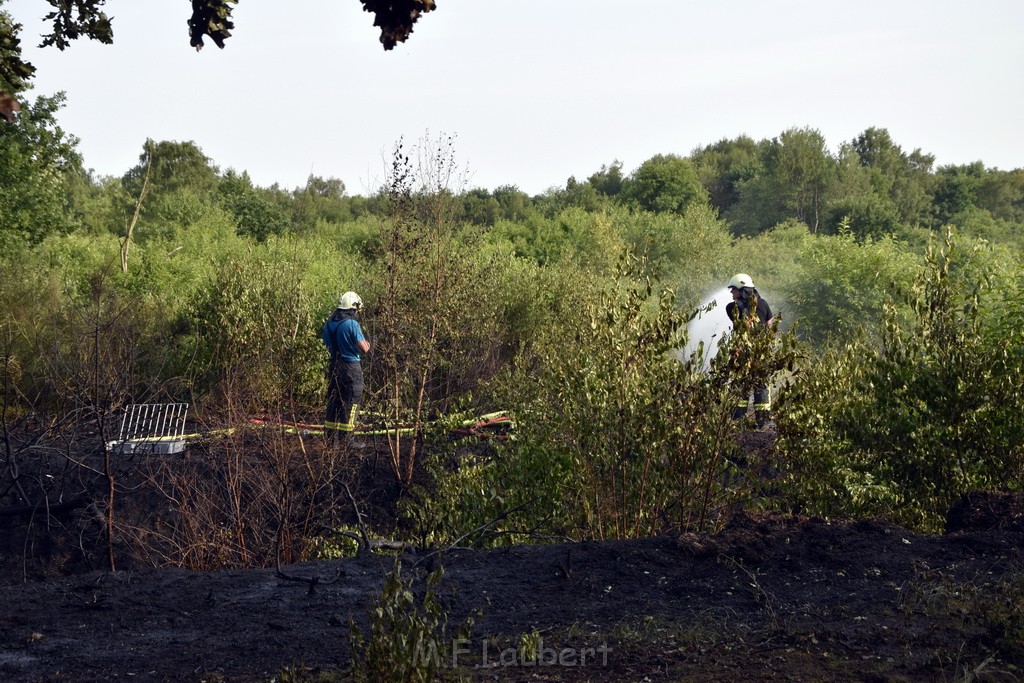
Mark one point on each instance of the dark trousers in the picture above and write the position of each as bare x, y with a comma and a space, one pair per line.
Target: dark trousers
762, 404
344, 394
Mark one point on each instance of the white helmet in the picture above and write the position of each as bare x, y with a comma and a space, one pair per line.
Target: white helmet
741, 281
350, 300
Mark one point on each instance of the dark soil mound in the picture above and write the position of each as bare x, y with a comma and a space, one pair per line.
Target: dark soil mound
773, 597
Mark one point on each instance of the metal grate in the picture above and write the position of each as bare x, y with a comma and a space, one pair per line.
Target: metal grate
152, 428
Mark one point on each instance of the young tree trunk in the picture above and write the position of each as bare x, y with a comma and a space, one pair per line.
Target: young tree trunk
130, 225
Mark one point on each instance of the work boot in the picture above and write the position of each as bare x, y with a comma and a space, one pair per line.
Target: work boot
764, 419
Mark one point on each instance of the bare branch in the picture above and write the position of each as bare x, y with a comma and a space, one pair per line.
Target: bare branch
468, 534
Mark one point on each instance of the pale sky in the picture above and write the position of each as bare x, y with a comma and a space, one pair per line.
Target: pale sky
538, 90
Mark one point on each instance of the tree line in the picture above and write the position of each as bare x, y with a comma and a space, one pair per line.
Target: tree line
870, 188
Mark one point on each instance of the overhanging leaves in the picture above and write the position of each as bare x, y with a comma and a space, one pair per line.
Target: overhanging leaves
14, 72
396, 18
212, 18
74, 18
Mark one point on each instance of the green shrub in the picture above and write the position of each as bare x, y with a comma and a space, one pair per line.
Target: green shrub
691, 247
573, 234
772, 258
615, 436
843, 283
903, 427
256, 331
408, 639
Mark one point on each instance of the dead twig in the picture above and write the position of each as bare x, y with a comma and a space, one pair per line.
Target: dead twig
761, 596
364, 537
566, 566
368, 543
468, 534
313, 581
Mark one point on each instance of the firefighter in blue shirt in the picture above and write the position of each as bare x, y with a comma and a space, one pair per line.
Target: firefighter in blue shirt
345, 341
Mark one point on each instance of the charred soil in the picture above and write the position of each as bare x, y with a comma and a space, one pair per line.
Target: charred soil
771, 597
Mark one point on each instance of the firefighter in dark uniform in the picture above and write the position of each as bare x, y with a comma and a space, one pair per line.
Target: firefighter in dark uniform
747, 307
345, 341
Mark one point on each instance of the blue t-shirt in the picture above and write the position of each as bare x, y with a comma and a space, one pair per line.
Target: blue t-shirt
341, 337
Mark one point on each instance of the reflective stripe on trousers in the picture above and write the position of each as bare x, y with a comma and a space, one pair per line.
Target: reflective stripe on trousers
762, 399
345, 426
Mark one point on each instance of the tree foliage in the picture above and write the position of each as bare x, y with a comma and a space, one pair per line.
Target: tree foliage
74, 19
38, 160
901, 178
396, 18
664, 183
725, 165
14, 72
608, 180
255, 214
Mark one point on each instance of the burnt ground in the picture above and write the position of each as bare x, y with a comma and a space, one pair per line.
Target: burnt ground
771, 597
